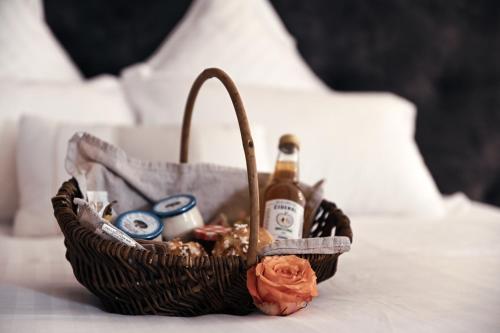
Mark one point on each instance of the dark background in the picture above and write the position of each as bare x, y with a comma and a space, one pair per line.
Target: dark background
442, 55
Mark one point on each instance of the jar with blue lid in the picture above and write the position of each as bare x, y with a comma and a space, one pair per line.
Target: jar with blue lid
140, 224
180, 216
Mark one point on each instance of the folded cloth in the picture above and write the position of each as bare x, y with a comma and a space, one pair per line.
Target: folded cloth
318, 245
136, 184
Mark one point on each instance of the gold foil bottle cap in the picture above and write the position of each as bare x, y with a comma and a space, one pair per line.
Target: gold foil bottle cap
289, 140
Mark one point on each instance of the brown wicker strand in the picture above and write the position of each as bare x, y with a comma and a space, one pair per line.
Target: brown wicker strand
247, 141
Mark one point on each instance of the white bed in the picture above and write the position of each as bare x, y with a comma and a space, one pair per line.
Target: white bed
402, 275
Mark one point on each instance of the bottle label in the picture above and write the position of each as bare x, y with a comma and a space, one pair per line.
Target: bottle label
284, 219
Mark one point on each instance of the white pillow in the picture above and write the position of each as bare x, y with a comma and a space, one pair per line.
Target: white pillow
246, 38
362, 143
98, 101
28, 50
45, 142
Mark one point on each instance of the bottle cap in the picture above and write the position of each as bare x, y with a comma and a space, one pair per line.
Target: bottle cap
289, 139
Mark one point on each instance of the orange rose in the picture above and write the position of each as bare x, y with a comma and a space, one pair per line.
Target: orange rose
281, 285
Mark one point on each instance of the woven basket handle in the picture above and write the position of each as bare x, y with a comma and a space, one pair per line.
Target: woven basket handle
246, 139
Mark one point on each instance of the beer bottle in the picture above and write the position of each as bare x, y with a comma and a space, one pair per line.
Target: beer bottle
283, 200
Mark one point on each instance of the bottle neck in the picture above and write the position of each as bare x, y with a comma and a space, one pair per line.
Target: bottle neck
287, 165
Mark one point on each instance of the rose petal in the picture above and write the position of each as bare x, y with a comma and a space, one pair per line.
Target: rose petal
251, 285
283, 292
285, 309
271, 309
269, 294
302, 286
289, 308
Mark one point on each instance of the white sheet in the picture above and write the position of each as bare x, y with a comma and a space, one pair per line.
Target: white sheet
402, 275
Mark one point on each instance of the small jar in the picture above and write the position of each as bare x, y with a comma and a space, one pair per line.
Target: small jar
140, 224
208, 235
180, 216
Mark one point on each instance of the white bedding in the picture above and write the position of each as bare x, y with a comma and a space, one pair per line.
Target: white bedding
402, 275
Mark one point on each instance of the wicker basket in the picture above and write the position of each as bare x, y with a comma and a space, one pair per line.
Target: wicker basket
131, 281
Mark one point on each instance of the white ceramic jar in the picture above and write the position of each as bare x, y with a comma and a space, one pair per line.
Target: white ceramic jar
180, 216
140, 224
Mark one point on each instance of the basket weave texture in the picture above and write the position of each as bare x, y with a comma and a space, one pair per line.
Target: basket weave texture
135, 282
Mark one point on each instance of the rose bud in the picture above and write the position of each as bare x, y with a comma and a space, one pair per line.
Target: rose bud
281, 285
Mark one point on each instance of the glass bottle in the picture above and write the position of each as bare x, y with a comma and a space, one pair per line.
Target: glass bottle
284, 201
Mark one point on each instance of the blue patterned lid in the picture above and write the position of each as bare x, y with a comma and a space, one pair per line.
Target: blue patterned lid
174, 205
140, 224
